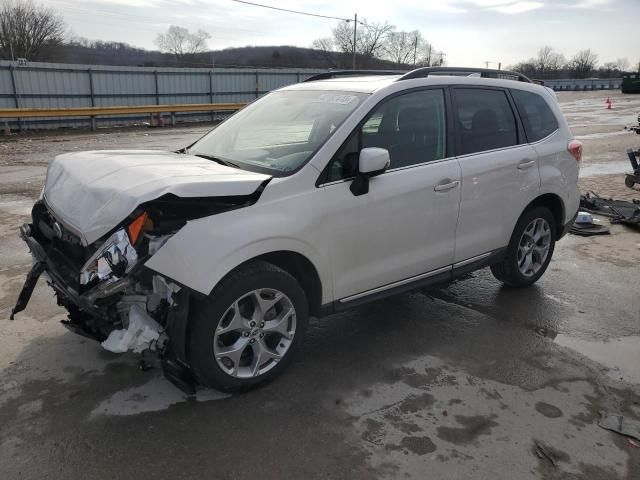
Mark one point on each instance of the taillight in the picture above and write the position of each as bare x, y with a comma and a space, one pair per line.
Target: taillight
575, 149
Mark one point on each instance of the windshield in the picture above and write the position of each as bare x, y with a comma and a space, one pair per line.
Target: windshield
281, 131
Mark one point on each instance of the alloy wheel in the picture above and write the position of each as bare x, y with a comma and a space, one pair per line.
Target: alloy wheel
533, 248
255, 333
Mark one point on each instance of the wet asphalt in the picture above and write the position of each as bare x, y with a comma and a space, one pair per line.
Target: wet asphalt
473, 380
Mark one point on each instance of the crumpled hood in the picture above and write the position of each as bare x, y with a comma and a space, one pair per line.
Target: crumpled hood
91, 192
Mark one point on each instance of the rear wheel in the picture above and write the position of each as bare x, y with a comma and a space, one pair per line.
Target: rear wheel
248, 329
530, 249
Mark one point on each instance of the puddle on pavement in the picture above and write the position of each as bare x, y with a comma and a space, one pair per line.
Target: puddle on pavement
609, 168
620, 355
156, 395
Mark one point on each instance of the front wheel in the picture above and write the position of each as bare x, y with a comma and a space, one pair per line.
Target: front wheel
530, 249
248, 329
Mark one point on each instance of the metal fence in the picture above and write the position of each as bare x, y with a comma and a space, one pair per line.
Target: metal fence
577, 84
53, 85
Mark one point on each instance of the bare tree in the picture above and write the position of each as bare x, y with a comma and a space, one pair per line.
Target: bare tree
583, 63
343, 37
325, 43
370, 37
622, 64
326, 48
548, 61
528, 68
26, 29
180, 41
410, 48
402, 47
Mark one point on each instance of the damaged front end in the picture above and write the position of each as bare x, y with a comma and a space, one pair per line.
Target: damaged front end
109, 293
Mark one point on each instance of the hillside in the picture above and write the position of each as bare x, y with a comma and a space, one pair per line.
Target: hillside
109, 53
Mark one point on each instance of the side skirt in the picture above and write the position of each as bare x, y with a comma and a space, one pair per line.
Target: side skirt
430, 279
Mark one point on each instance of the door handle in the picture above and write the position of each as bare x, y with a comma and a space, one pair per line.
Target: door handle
443, 187
526, 164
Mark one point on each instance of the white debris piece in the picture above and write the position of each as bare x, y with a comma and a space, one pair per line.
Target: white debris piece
164, 289
142, 330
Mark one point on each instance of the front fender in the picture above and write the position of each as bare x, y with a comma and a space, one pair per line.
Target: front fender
207, 249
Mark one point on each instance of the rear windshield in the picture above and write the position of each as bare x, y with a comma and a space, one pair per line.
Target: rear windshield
281, 131
537, 118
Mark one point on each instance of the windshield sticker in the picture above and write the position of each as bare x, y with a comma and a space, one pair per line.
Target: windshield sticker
339, 99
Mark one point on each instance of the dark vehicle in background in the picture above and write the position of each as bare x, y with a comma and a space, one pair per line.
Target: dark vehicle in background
631, 82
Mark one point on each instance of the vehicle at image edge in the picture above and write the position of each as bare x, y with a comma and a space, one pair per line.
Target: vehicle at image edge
630, 82
315, 198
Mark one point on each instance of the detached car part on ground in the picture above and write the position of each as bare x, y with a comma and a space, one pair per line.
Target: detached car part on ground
315, 198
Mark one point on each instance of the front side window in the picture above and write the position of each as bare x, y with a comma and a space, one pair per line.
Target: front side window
412, 127
537, 118
485, 120
280, 132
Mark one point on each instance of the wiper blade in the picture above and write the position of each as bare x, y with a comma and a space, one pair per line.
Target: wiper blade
217, 160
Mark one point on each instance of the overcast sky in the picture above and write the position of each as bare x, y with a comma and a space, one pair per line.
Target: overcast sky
469, 31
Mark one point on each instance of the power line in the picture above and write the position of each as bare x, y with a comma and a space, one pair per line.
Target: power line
355, 20
293, 11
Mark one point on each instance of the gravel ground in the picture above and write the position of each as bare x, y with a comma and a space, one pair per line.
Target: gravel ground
469, 381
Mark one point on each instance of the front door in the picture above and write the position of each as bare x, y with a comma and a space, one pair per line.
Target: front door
405, 225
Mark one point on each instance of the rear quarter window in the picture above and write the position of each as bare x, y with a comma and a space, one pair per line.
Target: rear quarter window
537, 118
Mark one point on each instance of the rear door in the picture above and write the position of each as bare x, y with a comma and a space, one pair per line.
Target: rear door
499, 169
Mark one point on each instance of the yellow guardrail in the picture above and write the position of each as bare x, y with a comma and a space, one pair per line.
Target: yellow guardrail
117, 110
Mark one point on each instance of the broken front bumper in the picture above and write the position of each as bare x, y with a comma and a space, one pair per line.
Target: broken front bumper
59, 281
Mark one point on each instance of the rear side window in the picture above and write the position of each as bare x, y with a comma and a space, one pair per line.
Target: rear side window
485, 120
537, 118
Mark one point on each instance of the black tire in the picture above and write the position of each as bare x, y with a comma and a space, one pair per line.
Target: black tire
208, 314
507, 271
629, 182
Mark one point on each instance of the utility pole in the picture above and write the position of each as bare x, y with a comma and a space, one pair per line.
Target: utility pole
486, 64
355, 28
429, 57
499, 65
415, 50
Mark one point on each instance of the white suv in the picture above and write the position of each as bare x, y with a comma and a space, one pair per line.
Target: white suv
315, 198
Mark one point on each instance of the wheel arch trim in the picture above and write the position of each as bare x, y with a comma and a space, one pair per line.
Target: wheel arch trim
555, 204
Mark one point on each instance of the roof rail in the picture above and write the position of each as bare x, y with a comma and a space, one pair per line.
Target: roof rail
484, 73
351, 73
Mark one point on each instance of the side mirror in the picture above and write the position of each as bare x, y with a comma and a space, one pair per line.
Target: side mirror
373, 161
